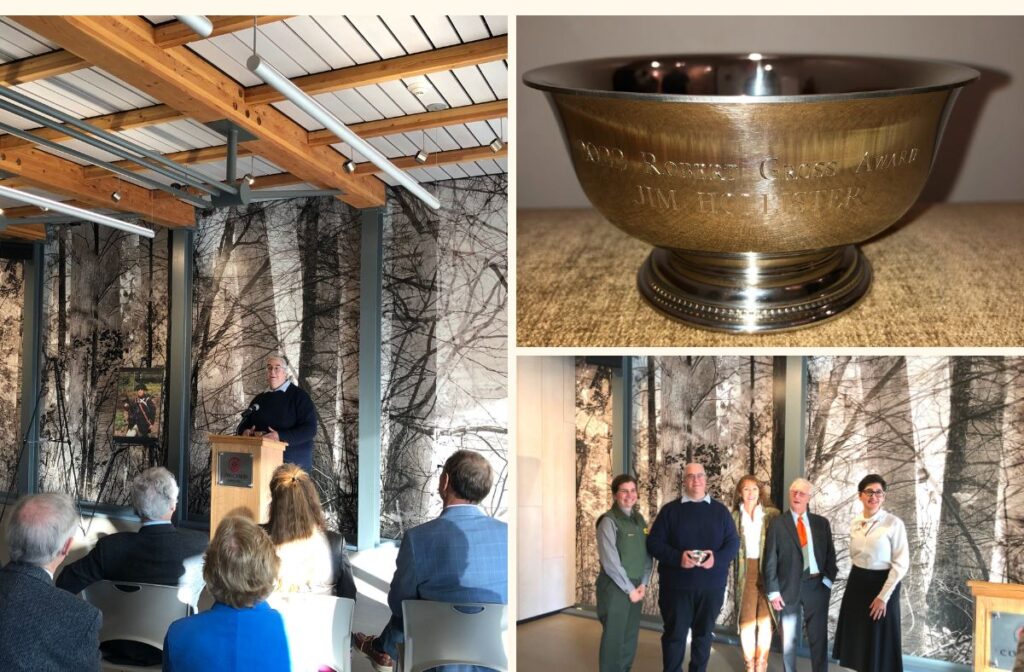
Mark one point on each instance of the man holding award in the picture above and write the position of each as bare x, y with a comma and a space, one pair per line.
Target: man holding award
694, 540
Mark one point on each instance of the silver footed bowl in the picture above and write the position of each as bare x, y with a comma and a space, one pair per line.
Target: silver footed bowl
754, 175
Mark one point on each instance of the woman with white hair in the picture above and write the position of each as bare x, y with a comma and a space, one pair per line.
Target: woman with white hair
283, 413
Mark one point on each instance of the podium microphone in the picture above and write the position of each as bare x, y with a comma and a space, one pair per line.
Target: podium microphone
249, 411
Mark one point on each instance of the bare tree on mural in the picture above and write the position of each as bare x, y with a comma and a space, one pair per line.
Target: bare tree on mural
593, 469
966, 526
103, 317
12, 300
444, 334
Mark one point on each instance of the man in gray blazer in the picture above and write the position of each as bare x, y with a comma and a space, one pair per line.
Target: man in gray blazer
44, 628
799, 567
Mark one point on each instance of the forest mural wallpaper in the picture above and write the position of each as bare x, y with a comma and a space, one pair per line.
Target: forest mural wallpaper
106, 308
947, 433
12, 301
279, 276
284, 276
714, 410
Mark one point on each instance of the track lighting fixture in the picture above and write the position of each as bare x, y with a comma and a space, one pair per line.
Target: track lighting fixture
421, 156
249, 179
350, 166
496, 145
116, 197
46, 204
307, 104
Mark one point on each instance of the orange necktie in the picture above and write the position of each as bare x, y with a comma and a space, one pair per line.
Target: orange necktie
801, 531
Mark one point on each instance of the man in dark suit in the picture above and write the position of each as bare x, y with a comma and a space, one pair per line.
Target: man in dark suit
460, 556
44, 629
799, 567
158, 553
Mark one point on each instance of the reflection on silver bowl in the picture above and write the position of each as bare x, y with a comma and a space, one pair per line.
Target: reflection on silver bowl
752, 175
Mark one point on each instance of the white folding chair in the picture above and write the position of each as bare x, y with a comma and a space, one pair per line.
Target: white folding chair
442, 633
138, 612
319, 629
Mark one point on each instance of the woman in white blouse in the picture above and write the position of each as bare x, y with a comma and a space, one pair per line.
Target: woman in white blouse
752, 512
868, 635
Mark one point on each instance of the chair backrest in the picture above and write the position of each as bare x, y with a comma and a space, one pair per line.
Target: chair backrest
442, 633
319, 629
139, 612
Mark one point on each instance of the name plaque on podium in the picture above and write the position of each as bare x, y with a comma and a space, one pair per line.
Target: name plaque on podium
234, 469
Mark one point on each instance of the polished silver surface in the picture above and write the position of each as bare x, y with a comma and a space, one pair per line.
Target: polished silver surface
733, 78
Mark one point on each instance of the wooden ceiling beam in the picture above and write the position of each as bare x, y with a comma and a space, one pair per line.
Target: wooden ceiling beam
29, 69
27, 232
438, 158
422, 63
368, 129
117, 121
34, 167
124, 46
176, 33
417, 122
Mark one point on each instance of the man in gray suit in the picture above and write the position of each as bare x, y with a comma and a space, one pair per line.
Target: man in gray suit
44, 628
799, 566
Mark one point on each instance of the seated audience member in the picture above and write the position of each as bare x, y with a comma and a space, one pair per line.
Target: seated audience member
312, 557
158, 553
460, 556
41, 626
240, 633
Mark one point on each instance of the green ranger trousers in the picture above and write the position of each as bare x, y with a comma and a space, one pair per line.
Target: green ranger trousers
620, 620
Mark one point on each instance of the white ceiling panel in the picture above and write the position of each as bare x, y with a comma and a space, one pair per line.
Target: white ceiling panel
482, 131
496, 74
472, 80
281, 35
450, 89
471, 28
408, 33
381, 101
462, 136
497, 24
471, 169
440, 31
20, 40
320, 42
344, 34
377, 36
213, 52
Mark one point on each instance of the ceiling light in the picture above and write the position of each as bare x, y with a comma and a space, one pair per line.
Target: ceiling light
496, 145
1, 212
116, 197
200, 25
249, 179
421, 156
304, 102
47, 204
350, 166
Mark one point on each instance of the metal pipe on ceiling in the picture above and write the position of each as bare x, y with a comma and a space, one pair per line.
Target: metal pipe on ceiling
307, 104
27, 135
170, 169
200, 25
74, 211
277, 195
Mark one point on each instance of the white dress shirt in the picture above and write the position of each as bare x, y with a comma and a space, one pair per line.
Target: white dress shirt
880, 542
751, 529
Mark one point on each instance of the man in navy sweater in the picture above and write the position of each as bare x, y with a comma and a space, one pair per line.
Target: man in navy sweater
283, 413
694, 540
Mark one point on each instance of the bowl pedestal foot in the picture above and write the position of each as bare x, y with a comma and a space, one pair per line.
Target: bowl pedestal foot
751, 292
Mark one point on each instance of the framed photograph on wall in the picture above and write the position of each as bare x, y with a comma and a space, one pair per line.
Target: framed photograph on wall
139, 405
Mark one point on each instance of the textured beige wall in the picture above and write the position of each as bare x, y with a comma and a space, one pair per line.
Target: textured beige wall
982, 153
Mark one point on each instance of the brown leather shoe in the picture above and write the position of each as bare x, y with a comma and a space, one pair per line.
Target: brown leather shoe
380, 661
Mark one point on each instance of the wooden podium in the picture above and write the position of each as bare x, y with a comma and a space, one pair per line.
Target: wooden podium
242, 467
998, 623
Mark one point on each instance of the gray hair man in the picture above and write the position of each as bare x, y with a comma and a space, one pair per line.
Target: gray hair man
799, 567
158, 553
44, 628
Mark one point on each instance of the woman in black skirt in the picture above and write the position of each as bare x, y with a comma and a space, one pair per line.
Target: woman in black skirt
868, 634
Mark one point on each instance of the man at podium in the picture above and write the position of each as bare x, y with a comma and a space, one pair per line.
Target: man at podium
283, 413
